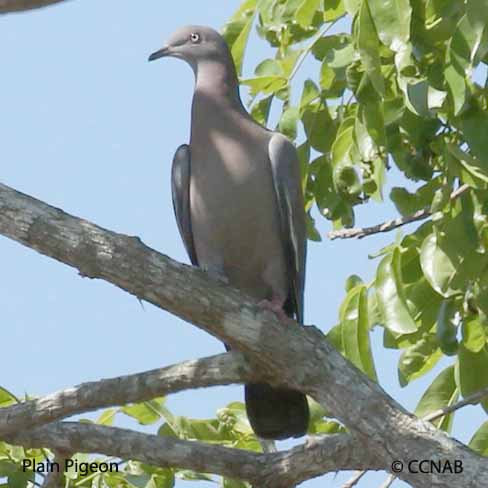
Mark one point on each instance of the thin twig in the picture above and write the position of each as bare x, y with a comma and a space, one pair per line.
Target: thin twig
354, 480
473, 399
389, 481
389, 225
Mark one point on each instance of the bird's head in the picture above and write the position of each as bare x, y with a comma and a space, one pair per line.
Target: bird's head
193, 44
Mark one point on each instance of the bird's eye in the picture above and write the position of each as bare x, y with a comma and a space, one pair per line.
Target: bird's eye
195, 37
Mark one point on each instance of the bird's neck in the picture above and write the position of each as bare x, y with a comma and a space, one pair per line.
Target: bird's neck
218, 80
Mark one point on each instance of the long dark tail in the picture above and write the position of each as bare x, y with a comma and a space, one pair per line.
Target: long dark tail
276, 413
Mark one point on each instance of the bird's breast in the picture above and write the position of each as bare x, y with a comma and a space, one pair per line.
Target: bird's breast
235, 222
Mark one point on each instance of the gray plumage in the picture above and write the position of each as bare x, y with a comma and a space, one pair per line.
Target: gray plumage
239, 206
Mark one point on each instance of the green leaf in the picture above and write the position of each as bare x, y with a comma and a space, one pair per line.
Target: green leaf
7, 467
470, 362
371, 115
405, 202
456, 83
474, 338
317, 411
393, 110
441, 393
335, 51
327, 198
333, 9
479, 441
461, 52
228, 483
312, 233
188, 475
7, 398
347, 182
417, 98
235, 417
374, 314
310, 93
418, 359
319, 127
437, 266
332, 81
476, 169
334, 336
303, 152
265, 84
207, 430
435, 98
269, 67
288, 122
353, 281
20, 479
408, 203
107, 417
355, 330
447, 327
326, 427
364, 142
306, 11
369, 47
392, 20
390, 294
236, 31
166, 430
260, 110
145, 413
474, 125
352, 6
343, 144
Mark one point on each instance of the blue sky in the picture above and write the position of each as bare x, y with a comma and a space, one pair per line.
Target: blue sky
89, 126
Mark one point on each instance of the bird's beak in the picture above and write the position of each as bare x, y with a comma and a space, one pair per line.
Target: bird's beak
164, 51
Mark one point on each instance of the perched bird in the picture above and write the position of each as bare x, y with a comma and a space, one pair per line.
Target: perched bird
239, 206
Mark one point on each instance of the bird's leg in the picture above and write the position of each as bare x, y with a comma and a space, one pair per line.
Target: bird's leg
275, 305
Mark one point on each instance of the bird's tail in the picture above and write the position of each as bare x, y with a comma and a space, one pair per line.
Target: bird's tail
276, 413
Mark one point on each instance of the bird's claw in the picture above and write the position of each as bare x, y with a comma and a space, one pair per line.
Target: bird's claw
276, 307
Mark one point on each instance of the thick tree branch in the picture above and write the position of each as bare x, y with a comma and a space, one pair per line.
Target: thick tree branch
223, 369
317, 457
389, 225
317, 368
7, 6
292, 466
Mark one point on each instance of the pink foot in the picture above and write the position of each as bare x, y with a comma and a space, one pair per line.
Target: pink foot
276, 306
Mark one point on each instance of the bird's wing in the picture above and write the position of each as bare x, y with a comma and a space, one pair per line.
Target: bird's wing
180, 188
288, 187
